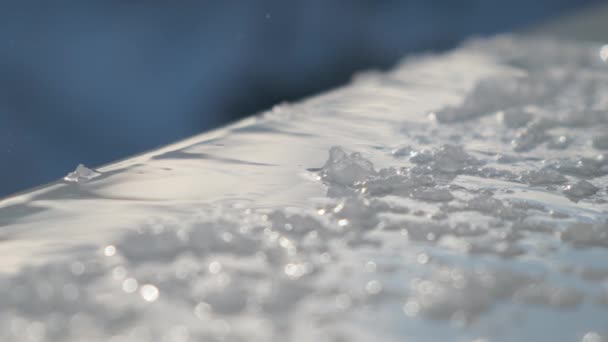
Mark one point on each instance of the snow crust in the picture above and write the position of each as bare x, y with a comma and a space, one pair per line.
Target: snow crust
456, 198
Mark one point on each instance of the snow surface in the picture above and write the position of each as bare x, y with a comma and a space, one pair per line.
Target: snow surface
459, 197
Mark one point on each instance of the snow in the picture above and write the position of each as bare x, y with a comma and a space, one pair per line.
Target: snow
458, 197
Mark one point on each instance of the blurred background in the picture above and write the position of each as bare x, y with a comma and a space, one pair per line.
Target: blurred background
95, 81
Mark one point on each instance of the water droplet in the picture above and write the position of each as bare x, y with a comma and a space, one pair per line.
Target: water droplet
296, 270
109, 250
129, 285
422, 258
411, 308
339, 208
227, 237
290, 269
373, 287
285, 242
215, 267
149, 292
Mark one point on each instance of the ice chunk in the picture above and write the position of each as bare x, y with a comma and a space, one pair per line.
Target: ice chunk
448, 159
82, 174
227, 301
432, 195
344, 169
357, 213
402, 151
485, 204
451, 159
529, 138
543, 177
583, 167
579, 190
296, 226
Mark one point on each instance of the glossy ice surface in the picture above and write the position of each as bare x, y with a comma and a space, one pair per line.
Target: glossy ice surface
459, 197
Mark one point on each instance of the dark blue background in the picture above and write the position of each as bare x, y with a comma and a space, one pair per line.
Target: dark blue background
94, 81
